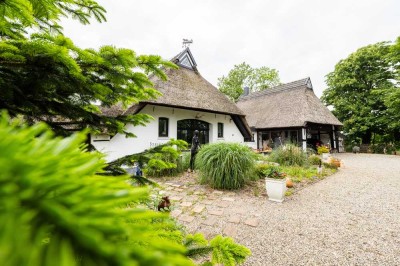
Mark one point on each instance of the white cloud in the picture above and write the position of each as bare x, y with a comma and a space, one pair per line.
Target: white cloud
298, 38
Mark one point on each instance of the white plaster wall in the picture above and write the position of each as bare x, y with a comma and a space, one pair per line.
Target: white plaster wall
147, 136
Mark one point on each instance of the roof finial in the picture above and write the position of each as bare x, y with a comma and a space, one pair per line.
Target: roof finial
186, 43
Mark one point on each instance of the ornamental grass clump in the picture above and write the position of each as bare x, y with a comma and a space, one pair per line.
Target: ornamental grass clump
288, 155
225, 165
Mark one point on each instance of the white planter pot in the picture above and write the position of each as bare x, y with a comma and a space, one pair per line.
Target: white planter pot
325, 156
276, 189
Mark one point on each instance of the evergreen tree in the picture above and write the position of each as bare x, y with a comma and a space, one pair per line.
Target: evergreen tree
47, 78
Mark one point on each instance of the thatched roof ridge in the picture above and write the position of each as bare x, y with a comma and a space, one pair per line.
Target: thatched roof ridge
186, 88
288, 105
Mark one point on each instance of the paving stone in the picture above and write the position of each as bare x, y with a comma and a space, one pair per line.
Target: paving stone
191, 198
239, 210
230, 230
176, 185
186, 218
186, 204
169, 183
252, 222
179, 189
199, 208
216, 212
212, 197
175, 213
216, 192
234, 219
210, 221
208, 202
169, 188
198, 193
228, 199
222, 204
176, 198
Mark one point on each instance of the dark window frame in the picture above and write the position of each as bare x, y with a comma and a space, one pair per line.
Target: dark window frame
220, 130
161, 133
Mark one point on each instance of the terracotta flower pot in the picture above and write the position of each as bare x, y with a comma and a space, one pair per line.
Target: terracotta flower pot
289, 183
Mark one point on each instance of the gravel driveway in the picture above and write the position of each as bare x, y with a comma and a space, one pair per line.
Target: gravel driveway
350, 218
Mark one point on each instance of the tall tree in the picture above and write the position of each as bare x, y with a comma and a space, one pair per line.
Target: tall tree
44, 15
392, 99
47, 78
243, 75
357, 89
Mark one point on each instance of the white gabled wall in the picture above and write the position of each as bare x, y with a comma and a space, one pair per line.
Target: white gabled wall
147, 136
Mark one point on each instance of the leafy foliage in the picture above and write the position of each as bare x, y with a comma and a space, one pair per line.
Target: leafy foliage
300, 173
55, 208
50, 79
227, 252
243, 75
289, 154
322, 149
361, 88
225, 165
44, 15
162, 160
314, 160
273, 171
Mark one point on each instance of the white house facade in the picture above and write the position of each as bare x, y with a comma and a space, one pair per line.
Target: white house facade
188, 103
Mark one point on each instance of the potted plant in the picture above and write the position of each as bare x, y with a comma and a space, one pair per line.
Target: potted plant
324, 151
275, 183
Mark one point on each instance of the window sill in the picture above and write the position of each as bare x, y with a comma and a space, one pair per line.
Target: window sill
163, 138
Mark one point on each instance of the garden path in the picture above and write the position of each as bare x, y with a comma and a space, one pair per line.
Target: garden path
349, 218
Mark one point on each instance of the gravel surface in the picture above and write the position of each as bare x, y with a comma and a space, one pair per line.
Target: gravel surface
349, 218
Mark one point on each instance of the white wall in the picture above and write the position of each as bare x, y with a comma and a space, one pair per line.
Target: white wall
147, 136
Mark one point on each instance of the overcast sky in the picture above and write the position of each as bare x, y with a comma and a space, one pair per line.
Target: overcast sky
298, 38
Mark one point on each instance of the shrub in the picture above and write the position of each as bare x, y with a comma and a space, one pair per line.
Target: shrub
163, 160
274, 172
289, 154
330, 165
322, 149
297, 173
268, 170
225, 165
183, 162
55, 208
314, 160
62, 211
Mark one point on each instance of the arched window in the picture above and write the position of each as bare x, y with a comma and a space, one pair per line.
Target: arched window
186, 128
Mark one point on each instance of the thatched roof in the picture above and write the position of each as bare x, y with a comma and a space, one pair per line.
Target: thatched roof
187, 89
288, 105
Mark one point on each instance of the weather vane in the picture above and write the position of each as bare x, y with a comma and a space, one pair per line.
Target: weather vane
186, 43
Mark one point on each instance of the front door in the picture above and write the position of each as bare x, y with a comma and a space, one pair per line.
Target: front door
187, 127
